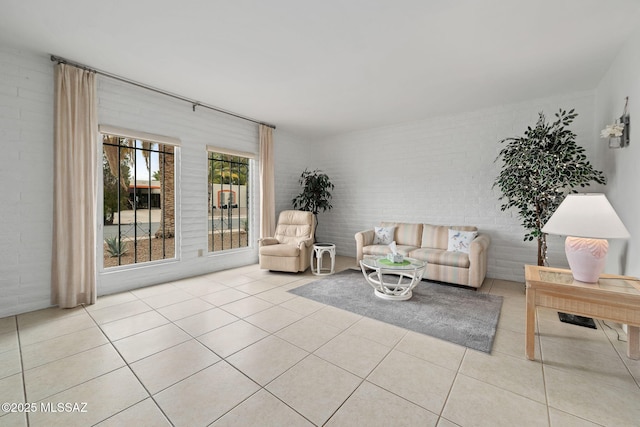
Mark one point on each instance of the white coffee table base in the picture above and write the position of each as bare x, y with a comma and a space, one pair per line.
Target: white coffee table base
398, 291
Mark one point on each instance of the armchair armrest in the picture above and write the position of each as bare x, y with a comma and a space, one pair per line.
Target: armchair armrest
265, 241
363, 238
306, 243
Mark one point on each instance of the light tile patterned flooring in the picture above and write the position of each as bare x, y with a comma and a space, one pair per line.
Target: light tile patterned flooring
234, 348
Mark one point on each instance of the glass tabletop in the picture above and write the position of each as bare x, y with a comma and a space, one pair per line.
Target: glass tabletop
323, 245
383, 263
611, 284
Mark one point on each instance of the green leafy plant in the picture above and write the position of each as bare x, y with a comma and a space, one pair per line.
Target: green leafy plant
539, 169
116, 247
315, 195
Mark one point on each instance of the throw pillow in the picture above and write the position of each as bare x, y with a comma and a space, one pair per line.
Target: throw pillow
460, 241
383, 235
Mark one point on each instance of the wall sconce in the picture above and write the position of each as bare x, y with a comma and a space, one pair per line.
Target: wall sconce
626, 121
618, 132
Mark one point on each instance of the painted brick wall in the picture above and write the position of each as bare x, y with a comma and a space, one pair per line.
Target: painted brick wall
437, 171
127, 106
623, 80
292, 153
26, 171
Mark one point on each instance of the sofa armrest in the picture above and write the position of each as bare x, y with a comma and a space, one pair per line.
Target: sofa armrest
478, 259
266, 241
363, 238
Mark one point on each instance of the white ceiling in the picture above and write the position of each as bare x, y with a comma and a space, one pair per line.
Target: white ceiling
318, 68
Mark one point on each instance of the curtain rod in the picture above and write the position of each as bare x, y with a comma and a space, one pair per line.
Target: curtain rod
193, 103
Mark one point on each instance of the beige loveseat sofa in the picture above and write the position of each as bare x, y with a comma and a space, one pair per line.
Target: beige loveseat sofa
429, 243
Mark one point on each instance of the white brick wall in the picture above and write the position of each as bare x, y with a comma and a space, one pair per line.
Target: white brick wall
127, 106
623, 80
292, 154
438, 171
26, 171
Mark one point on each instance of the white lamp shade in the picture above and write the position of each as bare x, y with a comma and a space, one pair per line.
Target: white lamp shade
586, 215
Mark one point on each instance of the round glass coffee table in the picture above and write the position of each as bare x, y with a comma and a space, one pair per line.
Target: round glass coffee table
380, 273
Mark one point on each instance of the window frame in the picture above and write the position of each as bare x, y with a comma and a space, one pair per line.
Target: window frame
251, 203
143, 136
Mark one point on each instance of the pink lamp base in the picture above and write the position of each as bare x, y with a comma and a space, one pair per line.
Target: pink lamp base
586, 257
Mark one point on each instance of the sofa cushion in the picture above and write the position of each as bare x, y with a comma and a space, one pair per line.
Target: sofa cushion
441, 257
384, 249
383, 235
460, 241
280, 250
406, 233
437, 236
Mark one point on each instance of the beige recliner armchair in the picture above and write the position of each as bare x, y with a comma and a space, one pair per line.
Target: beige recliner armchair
290, 248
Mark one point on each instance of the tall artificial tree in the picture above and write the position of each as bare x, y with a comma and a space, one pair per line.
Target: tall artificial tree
539, 169
315, 195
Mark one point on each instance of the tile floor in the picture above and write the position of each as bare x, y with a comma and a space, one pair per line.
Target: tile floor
234, 348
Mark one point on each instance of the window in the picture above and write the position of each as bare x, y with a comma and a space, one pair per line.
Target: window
228, 204
138, 200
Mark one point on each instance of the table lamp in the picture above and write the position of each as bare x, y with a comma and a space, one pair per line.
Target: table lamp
587, 220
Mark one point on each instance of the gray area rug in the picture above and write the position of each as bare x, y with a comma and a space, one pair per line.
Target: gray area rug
461, 316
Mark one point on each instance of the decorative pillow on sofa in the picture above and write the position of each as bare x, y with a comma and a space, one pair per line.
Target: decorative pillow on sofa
383, 235
460, 241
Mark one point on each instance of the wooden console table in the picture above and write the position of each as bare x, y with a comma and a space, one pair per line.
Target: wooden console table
614, 298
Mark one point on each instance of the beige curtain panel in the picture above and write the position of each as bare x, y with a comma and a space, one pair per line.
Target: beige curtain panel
73, 272
267, 183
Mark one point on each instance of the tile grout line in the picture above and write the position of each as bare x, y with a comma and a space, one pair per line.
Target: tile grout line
194, 373
610, 339
195, 338
132, 372
269, 334
542, 364
22, 370
455, 377
231, 364
273, 334
365, 379
636, 380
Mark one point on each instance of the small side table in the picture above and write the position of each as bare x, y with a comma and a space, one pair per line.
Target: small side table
319, 249
614, 298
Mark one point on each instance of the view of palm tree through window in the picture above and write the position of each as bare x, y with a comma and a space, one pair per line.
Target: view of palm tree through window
228, 205
138, 201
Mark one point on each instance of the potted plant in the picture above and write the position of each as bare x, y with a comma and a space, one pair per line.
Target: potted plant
539, 169
315, 195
